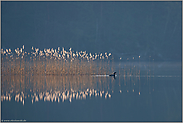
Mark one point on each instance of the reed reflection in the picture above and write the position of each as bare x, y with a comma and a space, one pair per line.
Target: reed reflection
66, 88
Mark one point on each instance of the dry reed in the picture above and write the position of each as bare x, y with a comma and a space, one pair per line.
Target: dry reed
53, 62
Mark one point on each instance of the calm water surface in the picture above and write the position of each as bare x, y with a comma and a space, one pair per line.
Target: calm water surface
140, 92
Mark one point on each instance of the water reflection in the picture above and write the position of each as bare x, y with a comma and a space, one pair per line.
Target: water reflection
152, 95
53, 88
58, 89
131, 78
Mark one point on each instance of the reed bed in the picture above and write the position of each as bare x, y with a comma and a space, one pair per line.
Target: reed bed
53, 62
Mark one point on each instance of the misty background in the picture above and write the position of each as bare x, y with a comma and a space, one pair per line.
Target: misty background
125, 29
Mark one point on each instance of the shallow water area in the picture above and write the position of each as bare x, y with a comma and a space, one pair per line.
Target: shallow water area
146, 91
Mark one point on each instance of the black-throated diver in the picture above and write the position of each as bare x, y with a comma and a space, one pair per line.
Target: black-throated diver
112, 74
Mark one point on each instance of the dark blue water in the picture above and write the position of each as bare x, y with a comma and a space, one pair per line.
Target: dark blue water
153, 95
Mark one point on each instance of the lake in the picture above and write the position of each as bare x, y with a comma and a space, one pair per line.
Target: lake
141, 91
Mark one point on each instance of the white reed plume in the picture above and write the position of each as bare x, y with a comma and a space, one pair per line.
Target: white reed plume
86, 56
80, 53
52, 50
100, 94
67, 55
106, 55
70, 49
37, 50
86, 93
55, 98
63, 49
100, 54
64, 53
87, 89
73, 95
84, 96
48, 97
48, 50
55, 54
47, 54
77, 53
70, 98
105, 95
41, 53
21, 50
3, 52
40, 96
109, 54
10, 51
58, 99
44, 50
36, 98
34, 53
96, 56
77, 95
82, 56
109, 95
6, 97
74, 54
90, 55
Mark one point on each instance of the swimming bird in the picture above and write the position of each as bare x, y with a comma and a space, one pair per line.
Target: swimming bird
112, 74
